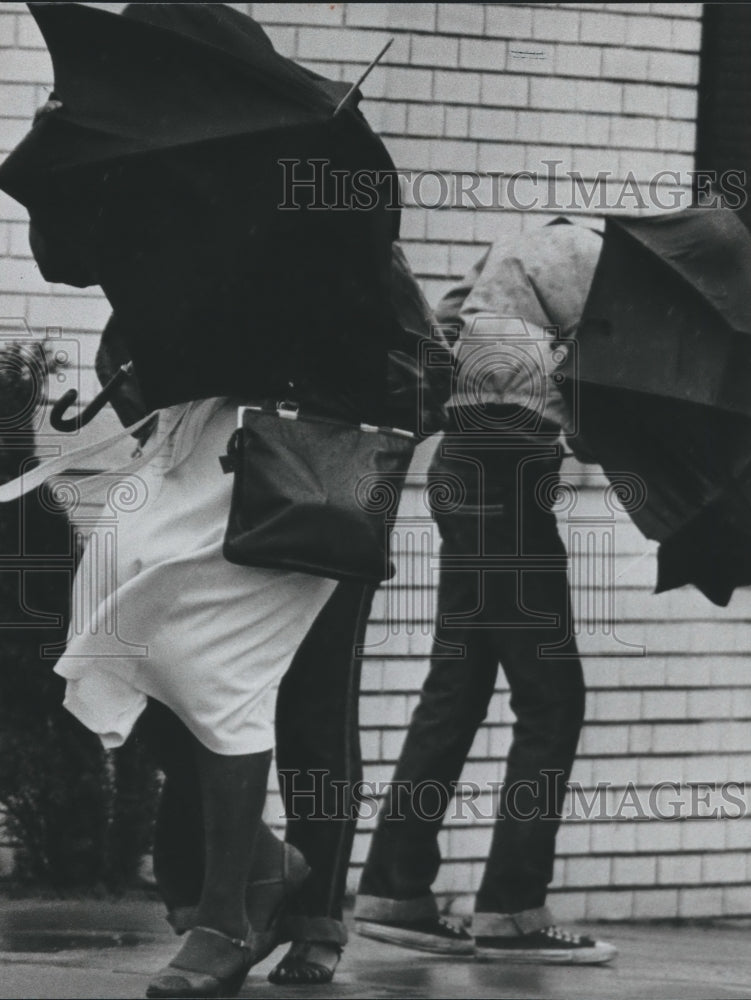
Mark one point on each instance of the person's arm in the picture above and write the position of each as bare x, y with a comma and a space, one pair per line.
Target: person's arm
505, 355
448, 310
416, 378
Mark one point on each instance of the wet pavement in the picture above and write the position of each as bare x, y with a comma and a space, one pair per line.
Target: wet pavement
98, 949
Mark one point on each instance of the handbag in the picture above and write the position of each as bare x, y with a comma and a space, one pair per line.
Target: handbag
314, 494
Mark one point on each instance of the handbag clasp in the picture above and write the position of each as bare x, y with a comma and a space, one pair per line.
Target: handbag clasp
287, 409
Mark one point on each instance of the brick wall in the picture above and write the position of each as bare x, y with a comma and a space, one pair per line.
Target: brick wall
506, 87
502, 88
671, 707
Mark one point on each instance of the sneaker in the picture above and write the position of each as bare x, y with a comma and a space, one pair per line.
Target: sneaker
551, 945
435, 935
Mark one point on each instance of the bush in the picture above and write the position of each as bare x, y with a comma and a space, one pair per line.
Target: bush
78, 818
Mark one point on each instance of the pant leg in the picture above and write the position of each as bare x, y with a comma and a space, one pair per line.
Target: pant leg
404, 856
547, 698
502, 610
318, 754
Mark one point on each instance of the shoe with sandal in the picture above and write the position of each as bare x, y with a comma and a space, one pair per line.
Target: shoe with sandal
307, 963
209, 964
266, 901
313, 956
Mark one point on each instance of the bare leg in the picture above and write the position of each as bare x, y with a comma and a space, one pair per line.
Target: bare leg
233, 791
215, 959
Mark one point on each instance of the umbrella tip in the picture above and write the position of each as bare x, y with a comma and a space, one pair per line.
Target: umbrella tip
364, 76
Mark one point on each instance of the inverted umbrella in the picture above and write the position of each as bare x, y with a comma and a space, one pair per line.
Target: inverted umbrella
159, 175
663, 373
161, 76
419, 362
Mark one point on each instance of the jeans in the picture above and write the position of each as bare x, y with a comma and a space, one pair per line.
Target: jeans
318, 751
318, 746
519, 616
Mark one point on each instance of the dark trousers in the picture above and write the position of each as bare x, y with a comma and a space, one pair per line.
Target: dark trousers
486, 616
318, 756
318, 747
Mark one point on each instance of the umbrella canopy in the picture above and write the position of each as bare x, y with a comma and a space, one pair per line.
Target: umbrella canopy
663, 374
159, 176
161, 76
419, 361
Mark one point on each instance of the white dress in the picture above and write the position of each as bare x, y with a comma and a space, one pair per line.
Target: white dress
158, 612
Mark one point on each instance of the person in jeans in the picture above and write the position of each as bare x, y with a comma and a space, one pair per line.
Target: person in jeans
503, 598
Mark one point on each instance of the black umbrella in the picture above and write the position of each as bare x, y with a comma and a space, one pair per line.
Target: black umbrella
161, 76
419, 363
159, 177
663, 374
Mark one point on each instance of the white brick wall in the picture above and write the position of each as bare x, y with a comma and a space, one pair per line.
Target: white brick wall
504, 87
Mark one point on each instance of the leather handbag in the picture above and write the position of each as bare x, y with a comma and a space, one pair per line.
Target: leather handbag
314, 494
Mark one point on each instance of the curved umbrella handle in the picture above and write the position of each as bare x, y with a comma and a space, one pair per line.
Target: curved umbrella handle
68, 424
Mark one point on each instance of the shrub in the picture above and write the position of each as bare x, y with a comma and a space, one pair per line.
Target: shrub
77, 818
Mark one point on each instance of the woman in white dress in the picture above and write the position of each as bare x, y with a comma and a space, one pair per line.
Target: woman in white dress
159, 613
224, 300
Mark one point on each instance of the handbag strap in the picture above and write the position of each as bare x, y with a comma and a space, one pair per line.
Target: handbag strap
33, 477
288, 410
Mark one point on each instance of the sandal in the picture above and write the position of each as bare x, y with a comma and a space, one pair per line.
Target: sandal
266, 903
209, 964
266, 900
299, 967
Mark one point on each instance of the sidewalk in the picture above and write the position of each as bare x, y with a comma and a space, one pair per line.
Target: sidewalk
106, 950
